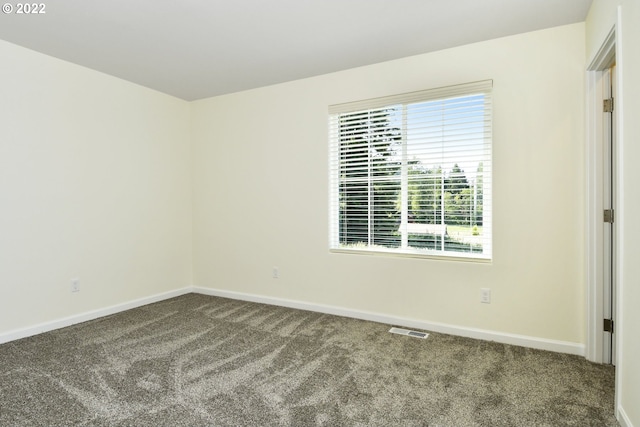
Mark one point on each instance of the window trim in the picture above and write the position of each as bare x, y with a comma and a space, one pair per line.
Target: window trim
469, 89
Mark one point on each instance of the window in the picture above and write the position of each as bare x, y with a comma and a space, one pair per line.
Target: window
411, 173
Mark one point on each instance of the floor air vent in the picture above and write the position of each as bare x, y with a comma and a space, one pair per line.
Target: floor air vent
407, 332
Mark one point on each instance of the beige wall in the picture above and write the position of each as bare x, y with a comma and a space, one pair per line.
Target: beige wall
95, 183
261, 192
602, 17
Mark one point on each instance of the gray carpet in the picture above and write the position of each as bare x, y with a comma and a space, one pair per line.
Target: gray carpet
198, 360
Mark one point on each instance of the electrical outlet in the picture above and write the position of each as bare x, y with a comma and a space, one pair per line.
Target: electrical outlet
275, 273
485, 295
75, 285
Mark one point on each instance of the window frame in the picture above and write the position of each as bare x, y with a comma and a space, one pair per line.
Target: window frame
483, 88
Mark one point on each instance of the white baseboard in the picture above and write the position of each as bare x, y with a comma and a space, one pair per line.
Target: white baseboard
501, 337
623, 419
505, 338
89, 315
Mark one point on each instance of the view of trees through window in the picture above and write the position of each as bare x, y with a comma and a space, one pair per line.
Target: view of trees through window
412, 176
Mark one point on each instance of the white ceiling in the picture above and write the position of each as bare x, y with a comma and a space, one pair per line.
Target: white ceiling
195, 49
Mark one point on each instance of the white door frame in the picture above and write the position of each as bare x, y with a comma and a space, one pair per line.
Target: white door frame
594, 155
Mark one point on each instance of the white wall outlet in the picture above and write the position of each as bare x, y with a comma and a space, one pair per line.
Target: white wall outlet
485, 295
275, 273
75, 285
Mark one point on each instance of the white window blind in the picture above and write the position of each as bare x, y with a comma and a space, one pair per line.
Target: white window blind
411, 173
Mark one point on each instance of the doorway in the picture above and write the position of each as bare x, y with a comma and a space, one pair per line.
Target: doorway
601, 154
609, 209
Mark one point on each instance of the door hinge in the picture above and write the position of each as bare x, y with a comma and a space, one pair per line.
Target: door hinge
607, 105
608, 325
608, 216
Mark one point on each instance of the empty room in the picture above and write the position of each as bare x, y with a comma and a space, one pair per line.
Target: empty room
320, 213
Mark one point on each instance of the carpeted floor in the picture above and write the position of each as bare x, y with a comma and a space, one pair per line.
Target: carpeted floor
198, 360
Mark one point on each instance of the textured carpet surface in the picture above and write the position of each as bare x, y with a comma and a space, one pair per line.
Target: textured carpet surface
198, 360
